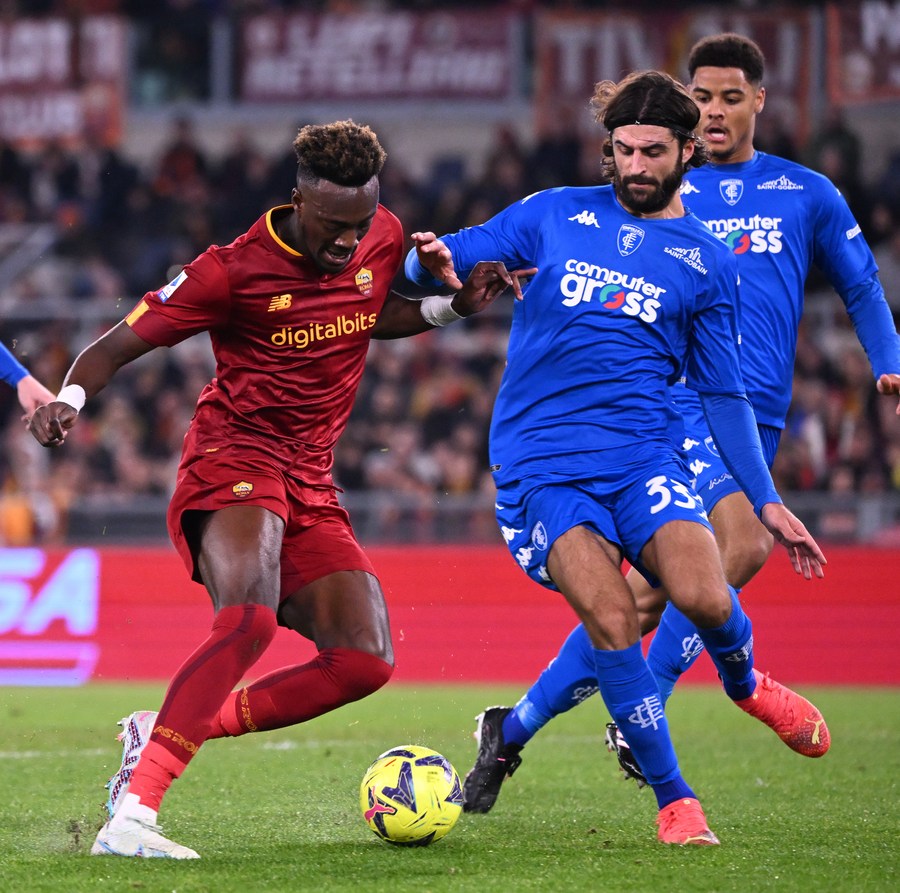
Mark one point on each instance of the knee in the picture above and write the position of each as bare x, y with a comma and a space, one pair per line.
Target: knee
704, 606
742, 560
250, 627
356, 673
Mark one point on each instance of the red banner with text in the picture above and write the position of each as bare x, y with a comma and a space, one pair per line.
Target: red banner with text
459, 614
379, 55
574, 50
62, 79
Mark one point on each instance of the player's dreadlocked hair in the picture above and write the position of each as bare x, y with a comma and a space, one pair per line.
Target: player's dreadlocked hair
647, 97
729, 51
343, 152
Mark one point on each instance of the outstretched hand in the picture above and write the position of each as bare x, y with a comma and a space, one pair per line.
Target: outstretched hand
806, 556
487, 281
51, 423
889, 383
435, 256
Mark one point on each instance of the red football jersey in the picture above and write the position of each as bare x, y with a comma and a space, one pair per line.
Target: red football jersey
290, 341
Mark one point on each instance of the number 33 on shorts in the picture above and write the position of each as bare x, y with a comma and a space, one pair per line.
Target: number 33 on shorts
665, 491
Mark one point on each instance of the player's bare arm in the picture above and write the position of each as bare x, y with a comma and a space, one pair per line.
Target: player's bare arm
806, 556
92, 370
401, 317
889, 383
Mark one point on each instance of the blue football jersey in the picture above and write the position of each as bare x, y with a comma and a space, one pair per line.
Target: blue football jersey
778, 218
620, 307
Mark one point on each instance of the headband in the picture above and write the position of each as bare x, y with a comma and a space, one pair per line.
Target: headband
651, 122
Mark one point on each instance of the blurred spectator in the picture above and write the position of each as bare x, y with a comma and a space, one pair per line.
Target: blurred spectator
835, 151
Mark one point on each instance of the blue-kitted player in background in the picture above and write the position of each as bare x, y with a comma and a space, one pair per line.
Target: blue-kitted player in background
778, 218
631, 292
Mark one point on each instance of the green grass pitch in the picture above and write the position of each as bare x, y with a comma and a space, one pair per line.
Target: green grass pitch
279, 811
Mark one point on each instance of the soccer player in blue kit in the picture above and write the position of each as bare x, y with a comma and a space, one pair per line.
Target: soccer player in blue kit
630, 293
778, 218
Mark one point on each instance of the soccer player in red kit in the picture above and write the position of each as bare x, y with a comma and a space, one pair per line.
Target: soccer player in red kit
290, 307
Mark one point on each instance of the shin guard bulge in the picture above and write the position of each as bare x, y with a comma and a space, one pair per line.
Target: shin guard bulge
291, 695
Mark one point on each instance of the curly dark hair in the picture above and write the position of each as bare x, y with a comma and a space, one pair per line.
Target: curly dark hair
648, 97
342, 152
729, 50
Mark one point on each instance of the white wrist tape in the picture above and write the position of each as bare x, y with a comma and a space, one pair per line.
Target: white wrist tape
437, 310
74, 395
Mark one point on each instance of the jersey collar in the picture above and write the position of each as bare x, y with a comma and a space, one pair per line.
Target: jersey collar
270, 227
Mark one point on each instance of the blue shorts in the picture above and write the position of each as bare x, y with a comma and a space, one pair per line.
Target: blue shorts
710, 477
625, 503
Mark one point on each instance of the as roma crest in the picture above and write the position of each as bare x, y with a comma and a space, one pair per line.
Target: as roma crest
364, 281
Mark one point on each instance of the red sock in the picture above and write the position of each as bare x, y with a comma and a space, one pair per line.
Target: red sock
240, 634
295, 694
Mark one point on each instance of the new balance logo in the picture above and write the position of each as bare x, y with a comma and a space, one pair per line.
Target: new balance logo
781, 183
586, 218
280, 302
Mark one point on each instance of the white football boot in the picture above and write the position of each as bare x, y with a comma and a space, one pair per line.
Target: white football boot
135, 734
133, 832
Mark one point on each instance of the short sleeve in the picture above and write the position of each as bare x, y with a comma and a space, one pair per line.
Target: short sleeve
196, 300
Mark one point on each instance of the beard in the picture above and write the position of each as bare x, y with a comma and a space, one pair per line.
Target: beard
652, 201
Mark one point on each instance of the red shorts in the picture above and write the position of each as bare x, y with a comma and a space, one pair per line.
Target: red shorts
318, 539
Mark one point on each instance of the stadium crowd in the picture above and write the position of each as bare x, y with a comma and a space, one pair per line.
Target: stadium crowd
420, 423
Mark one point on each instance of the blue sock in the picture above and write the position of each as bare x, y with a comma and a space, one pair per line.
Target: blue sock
673, 650
568, 679
731, 648
630, 694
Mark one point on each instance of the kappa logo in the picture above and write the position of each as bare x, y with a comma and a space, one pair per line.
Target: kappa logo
629, 239
523, 556
587, 218
509, 533
280, 302
698, 466
782, 183
687, 188
731, 189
